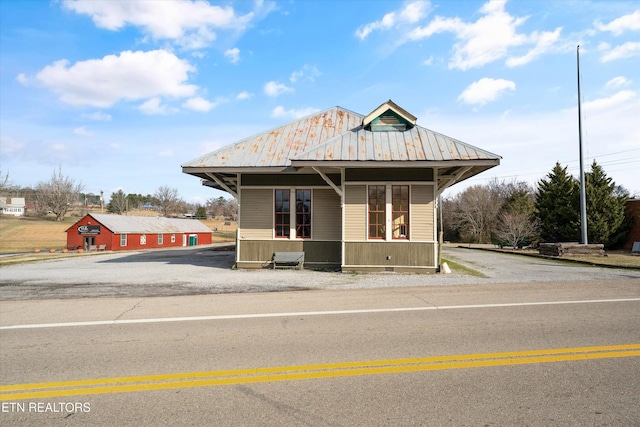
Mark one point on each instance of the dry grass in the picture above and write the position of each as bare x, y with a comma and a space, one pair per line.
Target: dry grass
27, 234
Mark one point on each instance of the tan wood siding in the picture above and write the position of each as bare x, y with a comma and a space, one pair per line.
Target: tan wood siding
326, 221
422, 212
314, 252
355, 218
256, 214
406, 254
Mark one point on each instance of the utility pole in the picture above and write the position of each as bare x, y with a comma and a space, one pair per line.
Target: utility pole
583, 195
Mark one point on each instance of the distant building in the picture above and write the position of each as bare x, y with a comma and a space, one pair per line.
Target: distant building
121, 232
633, 208
12, 206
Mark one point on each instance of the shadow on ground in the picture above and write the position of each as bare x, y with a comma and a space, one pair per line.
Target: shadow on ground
216, 256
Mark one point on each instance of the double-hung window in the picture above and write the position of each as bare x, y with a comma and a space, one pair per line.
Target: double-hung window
301, 218
400, 211
377, 211
396, 207
303, 214
282, 209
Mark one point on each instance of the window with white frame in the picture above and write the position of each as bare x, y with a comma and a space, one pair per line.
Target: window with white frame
143, 239
297, 225
123, 240
303, 214
282, 216
388, 204
160, 239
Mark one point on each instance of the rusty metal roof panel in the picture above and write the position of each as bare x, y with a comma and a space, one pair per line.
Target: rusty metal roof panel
414, 144
122, 224
276, 147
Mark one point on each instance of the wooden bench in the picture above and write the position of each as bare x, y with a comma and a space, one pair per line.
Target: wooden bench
101, 248
288, 260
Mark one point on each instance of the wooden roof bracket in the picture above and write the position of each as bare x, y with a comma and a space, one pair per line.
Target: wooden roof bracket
451, 179
337, 189
222, 184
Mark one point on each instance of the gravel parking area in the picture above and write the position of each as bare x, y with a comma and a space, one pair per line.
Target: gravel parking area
207, 270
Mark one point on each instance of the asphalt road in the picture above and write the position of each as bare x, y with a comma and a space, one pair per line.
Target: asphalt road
543, 353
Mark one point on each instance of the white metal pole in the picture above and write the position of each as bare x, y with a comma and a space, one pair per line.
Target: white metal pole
583, 196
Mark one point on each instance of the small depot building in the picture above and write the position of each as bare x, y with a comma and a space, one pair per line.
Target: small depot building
121, 232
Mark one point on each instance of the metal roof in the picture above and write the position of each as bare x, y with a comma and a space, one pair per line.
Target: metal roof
123, 224
338, 138
415, 144
276, 147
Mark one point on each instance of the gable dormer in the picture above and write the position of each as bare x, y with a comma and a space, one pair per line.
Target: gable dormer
389, 117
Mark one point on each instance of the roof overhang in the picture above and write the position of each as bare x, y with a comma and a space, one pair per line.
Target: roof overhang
447, 173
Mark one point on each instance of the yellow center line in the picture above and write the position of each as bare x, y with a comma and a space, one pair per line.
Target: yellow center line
302, 372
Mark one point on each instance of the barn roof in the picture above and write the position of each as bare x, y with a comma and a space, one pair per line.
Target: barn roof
123, 224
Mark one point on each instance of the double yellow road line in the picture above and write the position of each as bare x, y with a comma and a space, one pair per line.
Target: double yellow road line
304, 372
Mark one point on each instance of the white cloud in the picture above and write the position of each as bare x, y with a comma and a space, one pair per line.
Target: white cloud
488, 39
9, 146
244, 95
97, 116
544, 42
485, 90
409, 14
617, 82
23, 79
308, 72
279, 112
165, 153
82, 131
128, 76
201, 104
190, 24
233, 55
274, 89
625, 50
154, 107
611, 102
629, 22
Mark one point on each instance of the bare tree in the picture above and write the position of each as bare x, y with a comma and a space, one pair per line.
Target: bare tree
515, 227
6, 186
58, 194
167, 199
475, 212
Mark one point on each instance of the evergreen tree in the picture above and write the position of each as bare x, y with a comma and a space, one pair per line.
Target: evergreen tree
201, 212
557, 206
118, 203
605, 208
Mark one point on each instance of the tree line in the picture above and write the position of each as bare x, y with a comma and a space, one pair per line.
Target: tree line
61, 194
516, 214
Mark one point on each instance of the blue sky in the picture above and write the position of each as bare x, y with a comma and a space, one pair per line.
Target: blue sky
120, 94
